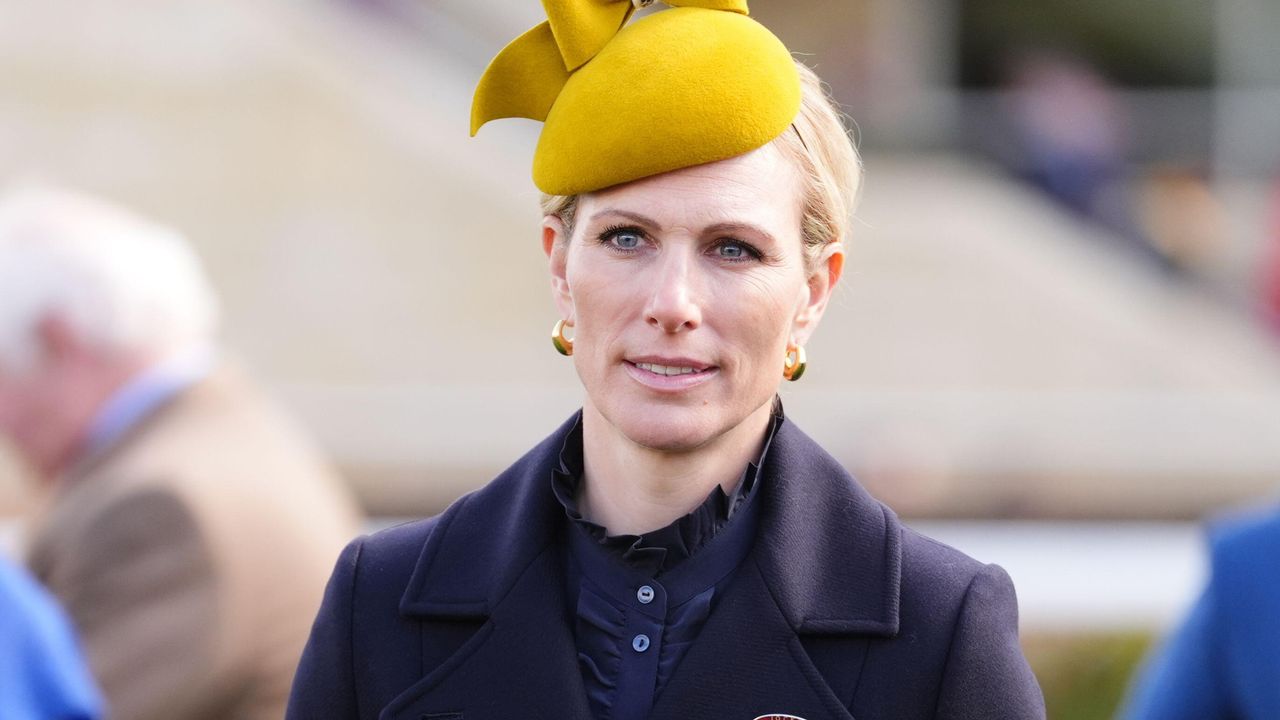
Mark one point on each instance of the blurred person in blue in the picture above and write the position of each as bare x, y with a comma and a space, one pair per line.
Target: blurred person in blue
185, 523
1223, 662
42, 674
678, 548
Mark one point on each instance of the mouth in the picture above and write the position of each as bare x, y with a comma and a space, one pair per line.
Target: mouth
669, 373
668, 370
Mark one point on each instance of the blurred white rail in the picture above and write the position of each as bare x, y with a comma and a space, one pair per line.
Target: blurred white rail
1089, 575
1069, 576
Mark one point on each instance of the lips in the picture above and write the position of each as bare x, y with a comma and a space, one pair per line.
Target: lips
667, 369
669, 373
669, 365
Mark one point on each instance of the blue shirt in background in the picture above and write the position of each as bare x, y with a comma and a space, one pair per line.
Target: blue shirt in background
42, 674
141, 395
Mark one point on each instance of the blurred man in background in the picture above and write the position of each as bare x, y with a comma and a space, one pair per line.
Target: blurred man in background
187, 527
41, 672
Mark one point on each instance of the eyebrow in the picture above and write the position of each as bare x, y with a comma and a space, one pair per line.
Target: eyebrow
632, 216
650, 223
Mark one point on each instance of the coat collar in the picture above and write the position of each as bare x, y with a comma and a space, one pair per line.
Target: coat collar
827, 550
830, 553
485, 540
825, 563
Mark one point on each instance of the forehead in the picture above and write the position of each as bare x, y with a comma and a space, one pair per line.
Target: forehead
760, 187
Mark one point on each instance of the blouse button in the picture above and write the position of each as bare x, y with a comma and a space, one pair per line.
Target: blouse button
640, 643
645, 595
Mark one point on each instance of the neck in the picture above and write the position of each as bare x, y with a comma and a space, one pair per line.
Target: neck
631, 489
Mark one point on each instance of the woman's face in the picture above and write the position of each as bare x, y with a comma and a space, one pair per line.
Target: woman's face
683, 290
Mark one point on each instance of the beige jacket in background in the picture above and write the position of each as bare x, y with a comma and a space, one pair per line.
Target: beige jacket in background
192, 555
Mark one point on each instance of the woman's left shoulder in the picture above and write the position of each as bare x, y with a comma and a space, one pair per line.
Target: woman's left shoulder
940, 581
961, 616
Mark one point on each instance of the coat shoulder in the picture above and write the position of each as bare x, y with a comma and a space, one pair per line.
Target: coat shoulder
393, 544
936, 582
934, 571
382, 562
453, 555
362, 650
957, 642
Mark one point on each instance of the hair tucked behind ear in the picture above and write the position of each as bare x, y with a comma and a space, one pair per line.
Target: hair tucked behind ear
831, 171
822, 151
564, 207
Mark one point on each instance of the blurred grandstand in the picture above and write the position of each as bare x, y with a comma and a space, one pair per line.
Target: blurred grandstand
993, 354
1057, 308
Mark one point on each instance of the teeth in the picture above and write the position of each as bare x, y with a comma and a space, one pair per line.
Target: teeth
666, 369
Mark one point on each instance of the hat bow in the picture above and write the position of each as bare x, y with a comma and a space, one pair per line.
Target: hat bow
527, 76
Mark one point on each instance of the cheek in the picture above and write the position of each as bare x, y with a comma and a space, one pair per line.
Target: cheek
602, 293
599, 308
763, 316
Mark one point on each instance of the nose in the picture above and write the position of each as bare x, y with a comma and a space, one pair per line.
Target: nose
673, 304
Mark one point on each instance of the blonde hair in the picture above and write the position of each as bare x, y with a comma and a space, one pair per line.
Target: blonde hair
822, 151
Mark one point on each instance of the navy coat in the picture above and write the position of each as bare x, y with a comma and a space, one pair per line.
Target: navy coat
838, 612
1224, 662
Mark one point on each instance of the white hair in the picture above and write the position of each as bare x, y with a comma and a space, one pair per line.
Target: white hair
121, 282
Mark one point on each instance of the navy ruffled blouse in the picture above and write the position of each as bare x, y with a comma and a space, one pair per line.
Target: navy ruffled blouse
640, 600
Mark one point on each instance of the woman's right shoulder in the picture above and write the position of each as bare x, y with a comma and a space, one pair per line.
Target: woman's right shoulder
392, 553
396, 540
499, 515
360, 617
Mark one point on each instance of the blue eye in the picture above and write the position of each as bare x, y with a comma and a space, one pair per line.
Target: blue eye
736, 251
622, 238
626, 240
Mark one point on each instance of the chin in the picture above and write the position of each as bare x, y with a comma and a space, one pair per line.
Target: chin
666, 441
668, 427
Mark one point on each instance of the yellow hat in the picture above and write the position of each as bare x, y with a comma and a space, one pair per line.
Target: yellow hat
678, 88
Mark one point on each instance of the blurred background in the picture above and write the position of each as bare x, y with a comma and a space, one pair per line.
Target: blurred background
1058, 347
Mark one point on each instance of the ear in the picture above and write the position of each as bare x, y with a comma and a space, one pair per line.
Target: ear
555, 243
817, 291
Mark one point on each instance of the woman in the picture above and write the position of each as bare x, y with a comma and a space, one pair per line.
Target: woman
678, 549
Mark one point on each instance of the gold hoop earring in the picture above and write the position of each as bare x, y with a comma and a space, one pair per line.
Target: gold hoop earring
793, 363
564, 345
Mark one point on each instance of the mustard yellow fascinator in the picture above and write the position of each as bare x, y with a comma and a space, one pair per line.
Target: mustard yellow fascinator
693, 84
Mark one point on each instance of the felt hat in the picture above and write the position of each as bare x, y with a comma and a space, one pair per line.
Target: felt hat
693, 84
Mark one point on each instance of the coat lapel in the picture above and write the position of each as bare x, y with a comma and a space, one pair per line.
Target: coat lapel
791, 632
747, 662
831, 553
522, 662
495, 560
